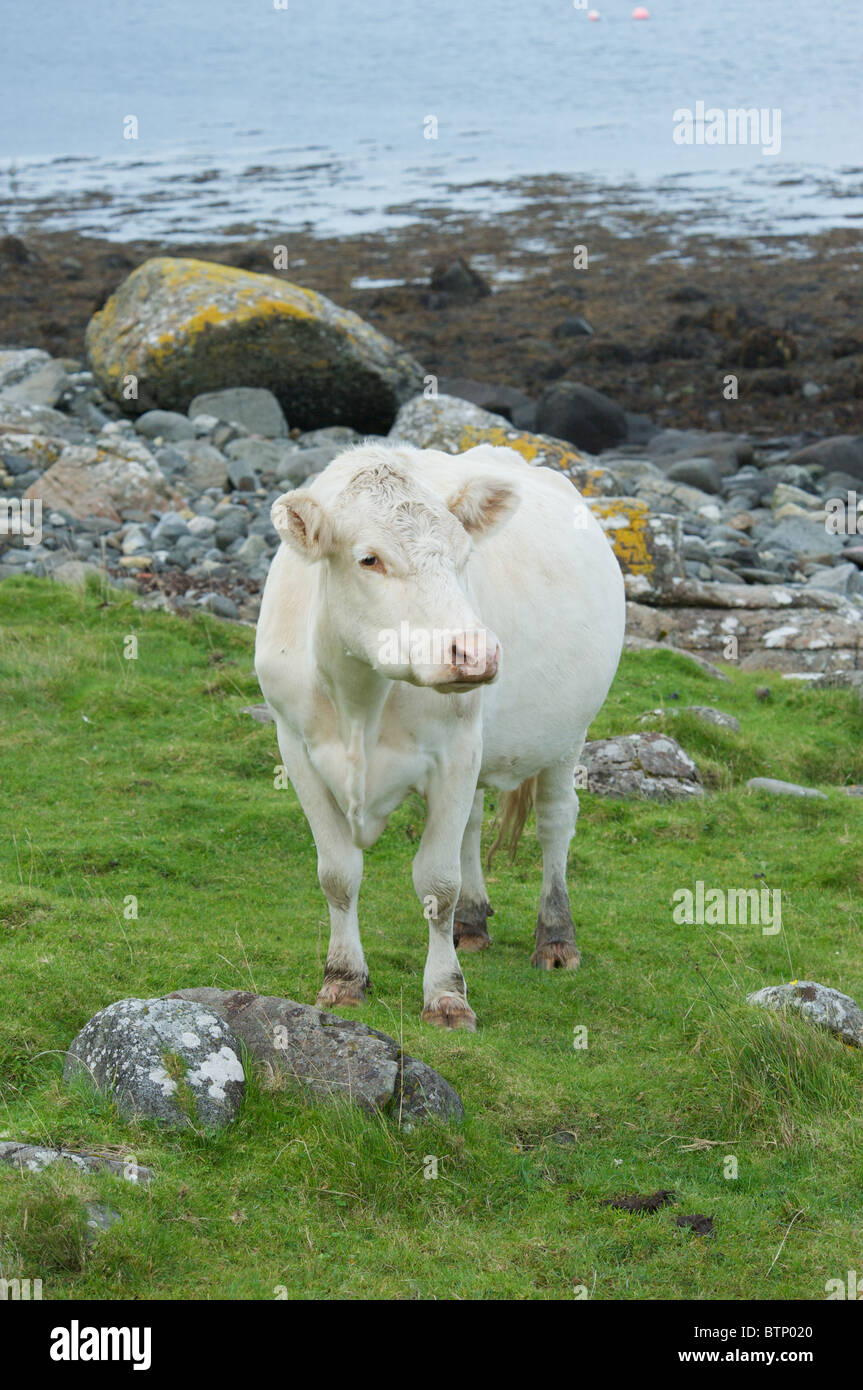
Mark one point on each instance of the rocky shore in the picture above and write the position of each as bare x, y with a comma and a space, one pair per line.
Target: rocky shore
204, 391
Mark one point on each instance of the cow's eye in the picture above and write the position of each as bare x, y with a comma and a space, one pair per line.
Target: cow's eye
371, 562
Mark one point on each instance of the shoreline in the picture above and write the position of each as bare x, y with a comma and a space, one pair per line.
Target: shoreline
671, 312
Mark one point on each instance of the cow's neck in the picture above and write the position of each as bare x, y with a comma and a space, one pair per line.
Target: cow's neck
358, 695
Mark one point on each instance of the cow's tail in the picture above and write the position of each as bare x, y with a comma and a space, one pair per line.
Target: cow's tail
512, 814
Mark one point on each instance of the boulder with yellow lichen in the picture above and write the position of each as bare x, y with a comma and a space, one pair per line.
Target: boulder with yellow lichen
179, 327
648, 545
454, 426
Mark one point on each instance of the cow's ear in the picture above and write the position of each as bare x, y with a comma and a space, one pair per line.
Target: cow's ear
483, 504
303, 524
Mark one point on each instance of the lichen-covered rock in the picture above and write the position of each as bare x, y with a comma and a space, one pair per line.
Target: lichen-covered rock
32, 1158
332, 1057
454, 426
183, 327
836, 1012
648, 547
757, 626
165, 1059
706, 713
104, 480
650, 765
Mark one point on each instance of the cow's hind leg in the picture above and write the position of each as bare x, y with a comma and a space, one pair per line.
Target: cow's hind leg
437, 879
556, 814
473, 908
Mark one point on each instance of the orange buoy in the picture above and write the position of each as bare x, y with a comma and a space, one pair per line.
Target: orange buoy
593, 14
641, 12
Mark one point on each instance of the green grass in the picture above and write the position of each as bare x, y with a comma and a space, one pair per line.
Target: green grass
125, 779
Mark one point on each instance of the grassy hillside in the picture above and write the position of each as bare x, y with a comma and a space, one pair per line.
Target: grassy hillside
140, 777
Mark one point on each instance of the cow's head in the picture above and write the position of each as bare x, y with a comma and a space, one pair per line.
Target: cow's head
393, 555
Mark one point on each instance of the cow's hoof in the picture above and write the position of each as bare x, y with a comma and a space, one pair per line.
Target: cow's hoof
468, 938
556, 955
341, 994
450, 1011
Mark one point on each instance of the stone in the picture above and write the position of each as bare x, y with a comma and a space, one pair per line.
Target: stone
185, 326
45, 386
778, 788
73, 573
105, 480
706, 713
666, 495
165, 1059
241, 476
98, 1217
821, 1005
331, 1057
453, 425
18, 363
803, 537
459, 280
839, 579
840, 453
499, 400
634, 766
773, 626
170, 528
220, 606
204, 467
255, 409
167, 425
576, 413
648, 547
701, 473
43, 420
33, 1158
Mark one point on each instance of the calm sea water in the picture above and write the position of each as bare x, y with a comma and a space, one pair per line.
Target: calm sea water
317, 113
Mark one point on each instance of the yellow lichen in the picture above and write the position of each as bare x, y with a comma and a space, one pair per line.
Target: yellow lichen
629, 538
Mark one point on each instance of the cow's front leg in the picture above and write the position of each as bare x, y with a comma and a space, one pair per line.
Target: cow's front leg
473, 908
437, 879
340, 871
556, 814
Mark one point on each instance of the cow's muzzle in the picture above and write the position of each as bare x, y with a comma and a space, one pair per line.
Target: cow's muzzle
474, 658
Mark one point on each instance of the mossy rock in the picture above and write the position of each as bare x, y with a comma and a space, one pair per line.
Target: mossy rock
183, 327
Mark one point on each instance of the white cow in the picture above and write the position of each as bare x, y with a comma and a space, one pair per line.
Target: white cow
437, 624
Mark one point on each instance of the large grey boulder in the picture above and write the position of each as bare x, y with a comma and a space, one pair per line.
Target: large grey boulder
331, 1057
255, 409
182, 327
165, 1059
633, 766
824, 1006
583, 417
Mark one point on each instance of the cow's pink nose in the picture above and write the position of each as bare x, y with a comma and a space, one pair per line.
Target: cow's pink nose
475, 656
